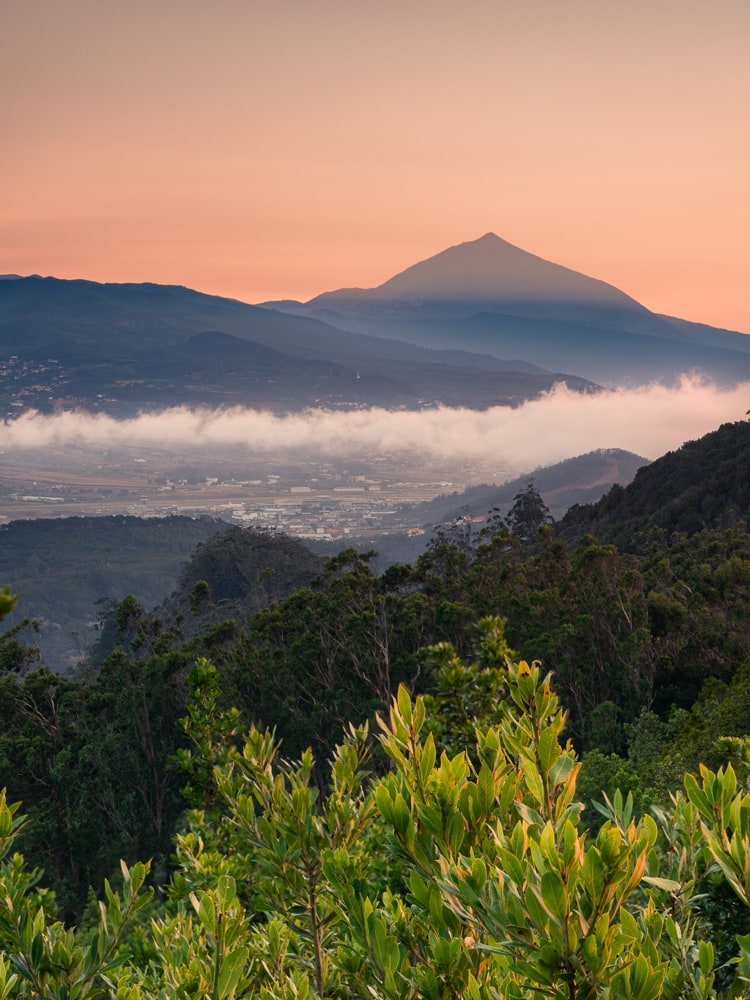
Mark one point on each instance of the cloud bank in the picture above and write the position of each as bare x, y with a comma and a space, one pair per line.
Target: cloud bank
649, 421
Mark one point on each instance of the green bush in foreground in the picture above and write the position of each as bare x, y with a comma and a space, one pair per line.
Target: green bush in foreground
451, 876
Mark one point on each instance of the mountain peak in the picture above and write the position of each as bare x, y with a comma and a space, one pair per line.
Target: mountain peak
485, 271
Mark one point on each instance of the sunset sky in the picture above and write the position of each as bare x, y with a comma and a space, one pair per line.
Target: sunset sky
285, 148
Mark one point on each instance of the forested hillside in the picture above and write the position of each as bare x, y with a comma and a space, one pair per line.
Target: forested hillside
650, 655
704, 484
91, 560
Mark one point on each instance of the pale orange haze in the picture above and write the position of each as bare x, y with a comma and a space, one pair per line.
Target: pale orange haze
280, 149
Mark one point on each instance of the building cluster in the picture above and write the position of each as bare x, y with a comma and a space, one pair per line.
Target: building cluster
300, 511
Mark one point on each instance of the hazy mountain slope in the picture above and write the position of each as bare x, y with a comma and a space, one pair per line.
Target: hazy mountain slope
122, 348
489, 296
581, 479
702, 333
488, 271
85, 315
704, 484
578, 480
61, 568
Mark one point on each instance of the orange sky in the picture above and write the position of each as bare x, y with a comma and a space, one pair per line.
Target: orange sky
265, 150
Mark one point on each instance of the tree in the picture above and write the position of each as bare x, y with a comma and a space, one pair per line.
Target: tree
528, 514
15, 656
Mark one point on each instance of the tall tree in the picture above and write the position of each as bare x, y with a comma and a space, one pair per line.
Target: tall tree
528, 514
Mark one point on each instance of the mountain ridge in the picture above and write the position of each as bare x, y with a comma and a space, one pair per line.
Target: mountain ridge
479, 324
489, 269
491, 297
125, 348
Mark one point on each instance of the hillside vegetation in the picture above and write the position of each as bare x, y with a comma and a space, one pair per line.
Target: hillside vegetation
389, 886
67, 569
704, 484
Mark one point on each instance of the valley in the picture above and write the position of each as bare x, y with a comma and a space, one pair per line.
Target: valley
309, 499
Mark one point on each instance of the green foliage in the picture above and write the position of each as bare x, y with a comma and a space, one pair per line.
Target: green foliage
661, 751
461, 873
702, 485
330, 654
199, 595
46, 958
502, 894
15, 655
600, 777
7, 602
91, 761
466, 696
248, 567
626, 634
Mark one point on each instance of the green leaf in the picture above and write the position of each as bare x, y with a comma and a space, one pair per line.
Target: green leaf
698, 797
705, 956
427, 762
555, 895
533, 780
226, 891
403, 700
204, 907
538, 912
6, 821
665, 884
549, 748
231, 972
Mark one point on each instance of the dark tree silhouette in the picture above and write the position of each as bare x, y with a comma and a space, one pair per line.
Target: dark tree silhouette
528, 514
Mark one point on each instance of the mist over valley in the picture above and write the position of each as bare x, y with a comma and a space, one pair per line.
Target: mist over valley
149, 399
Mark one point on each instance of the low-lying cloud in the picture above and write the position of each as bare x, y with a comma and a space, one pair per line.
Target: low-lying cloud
649, 421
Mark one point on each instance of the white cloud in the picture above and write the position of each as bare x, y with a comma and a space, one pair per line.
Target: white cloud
649, 421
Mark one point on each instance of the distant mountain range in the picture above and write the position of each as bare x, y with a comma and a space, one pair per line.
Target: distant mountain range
124, 348
480, 324
492, 297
